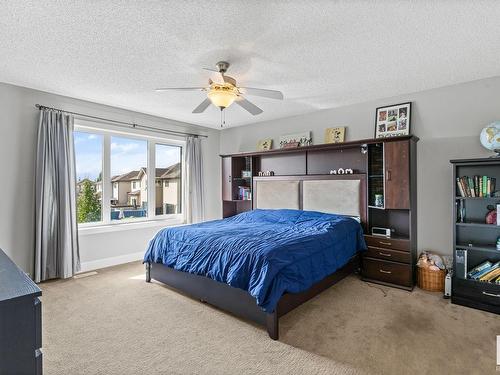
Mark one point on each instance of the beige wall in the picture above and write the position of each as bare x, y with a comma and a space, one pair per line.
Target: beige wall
171, 193
123, 188
144, 192
447, 120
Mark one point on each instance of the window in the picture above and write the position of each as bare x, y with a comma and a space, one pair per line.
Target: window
169, 171
112, 174
88, 151
129, 160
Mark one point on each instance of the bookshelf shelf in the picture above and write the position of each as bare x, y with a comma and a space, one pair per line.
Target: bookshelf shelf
481, 283
479, 198
479, 225
488, 248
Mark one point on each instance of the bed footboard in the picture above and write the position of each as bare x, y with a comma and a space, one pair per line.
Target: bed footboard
238, 301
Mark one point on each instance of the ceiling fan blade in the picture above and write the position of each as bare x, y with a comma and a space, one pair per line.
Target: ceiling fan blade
273, 94
249, 106
180, 89
203, 105
210, 69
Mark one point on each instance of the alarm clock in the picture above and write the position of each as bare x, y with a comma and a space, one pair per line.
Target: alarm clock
382, 232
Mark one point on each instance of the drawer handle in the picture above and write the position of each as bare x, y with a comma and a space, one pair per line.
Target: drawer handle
385, 254
491, 294
389, 272
384, 243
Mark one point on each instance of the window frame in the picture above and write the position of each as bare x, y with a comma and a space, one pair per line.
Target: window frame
107, 187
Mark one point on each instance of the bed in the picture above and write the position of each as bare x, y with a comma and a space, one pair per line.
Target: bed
304, 235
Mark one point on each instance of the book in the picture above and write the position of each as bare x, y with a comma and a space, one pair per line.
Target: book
464, 186
490, 276
480, 267
460, 188
476, 185
478, 275
471, 187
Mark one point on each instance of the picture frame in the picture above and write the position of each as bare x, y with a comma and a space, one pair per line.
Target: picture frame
335, 135
393, 120
295, 140
264, 144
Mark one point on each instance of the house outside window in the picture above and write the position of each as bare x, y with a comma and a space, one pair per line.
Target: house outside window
115, 168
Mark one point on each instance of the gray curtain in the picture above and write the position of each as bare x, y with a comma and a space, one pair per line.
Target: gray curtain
56, 237
194, 168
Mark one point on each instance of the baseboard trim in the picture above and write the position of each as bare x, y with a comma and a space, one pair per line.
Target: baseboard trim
112, 261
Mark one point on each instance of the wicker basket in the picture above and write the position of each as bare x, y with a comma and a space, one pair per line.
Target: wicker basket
433, 281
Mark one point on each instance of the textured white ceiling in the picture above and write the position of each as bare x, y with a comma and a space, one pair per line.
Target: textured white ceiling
321, 54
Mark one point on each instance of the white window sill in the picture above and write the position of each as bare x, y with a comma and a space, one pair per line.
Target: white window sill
100, 228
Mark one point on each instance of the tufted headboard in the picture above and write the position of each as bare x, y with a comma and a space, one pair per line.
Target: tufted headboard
338, 194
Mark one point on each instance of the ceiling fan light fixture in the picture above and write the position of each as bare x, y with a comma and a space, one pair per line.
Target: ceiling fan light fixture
222, 96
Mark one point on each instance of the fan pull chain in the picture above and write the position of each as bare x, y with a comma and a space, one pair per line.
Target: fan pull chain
222, 118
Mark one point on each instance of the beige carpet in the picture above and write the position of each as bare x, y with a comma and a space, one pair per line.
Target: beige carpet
116, 323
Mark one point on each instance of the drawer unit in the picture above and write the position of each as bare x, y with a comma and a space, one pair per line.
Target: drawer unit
38, 323
389, 254
388, 243
388, 261
484, 296
387, 272
20, 321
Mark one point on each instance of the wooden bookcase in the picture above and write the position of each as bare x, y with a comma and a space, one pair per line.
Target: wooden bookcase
390, 165
473, 235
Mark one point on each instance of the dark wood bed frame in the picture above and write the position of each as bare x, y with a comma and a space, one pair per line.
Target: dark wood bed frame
238, 301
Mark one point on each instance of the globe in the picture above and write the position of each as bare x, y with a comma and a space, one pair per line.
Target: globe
490, 137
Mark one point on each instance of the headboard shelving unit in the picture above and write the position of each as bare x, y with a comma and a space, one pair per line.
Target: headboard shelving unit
390, 167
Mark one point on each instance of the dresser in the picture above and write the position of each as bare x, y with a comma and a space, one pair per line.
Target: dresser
20, 321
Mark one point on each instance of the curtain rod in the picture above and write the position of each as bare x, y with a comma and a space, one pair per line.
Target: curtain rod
123, 123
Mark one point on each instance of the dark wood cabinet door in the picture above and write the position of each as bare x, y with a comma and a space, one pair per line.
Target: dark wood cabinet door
227, 190
397, 174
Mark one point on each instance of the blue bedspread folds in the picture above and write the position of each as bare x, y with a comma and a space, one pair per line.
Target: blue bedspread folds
265, 252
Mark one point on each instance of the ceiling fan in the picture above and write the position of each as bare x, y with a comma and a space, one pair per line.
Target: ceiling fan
227, 92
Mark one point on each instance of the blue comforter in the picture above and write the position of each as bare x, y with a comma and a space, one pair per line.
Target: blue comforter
265, 252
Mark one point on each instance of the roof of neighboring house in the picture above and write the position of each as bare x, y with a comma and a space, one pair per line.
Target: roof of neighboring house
136, 192
129, 176
174, 171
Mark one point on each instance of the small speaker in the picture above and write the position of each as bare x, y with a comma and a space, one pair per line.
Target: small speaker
447, 285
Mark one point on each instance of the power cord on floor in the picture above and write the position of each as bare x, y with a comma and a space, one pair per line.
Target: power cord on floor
379, 288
